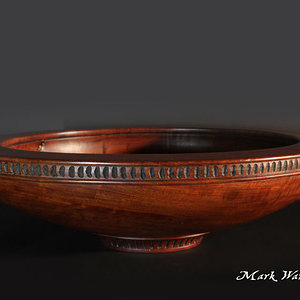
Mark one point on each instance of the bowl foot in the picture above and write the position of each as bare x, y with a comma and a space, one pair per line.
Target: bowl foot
140, 245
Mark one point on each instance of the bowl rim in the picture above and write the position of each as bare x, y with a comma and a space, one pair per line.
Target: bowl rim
281, 152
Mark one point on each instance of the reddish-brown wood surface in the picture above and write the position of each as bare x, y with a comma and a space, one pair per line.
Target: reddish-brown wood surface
153, 189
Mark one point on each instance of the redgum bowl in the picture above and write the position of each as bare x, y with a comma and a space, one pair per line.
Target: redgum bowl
150, 189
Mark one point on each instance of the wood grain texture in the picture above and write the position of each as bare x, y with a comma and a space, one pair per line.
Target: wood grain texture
149, 185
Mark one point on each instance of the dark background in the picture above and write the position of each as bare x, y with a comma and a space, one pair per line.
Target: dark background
88, 64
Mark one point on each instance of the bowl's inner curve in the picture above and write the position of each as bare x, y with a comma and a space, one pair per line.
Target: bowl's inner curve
152, 142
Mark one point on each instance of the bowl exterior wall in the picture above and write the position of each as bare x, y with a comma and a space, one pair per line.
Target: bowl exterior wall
151, 211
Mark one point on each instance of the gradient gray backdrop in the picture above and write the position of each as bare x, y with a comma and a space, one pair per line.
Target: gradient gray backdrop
68, 65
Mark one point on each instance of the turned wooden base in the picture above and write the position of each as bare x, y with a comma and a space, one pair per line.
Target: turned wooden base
140, 245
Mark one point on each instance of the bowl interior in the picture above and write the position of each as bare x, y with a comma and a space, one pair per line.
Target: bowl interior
175, 141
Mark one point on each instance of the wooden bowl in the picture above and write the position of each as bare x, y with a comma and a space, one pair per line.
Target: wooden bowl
150, 189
